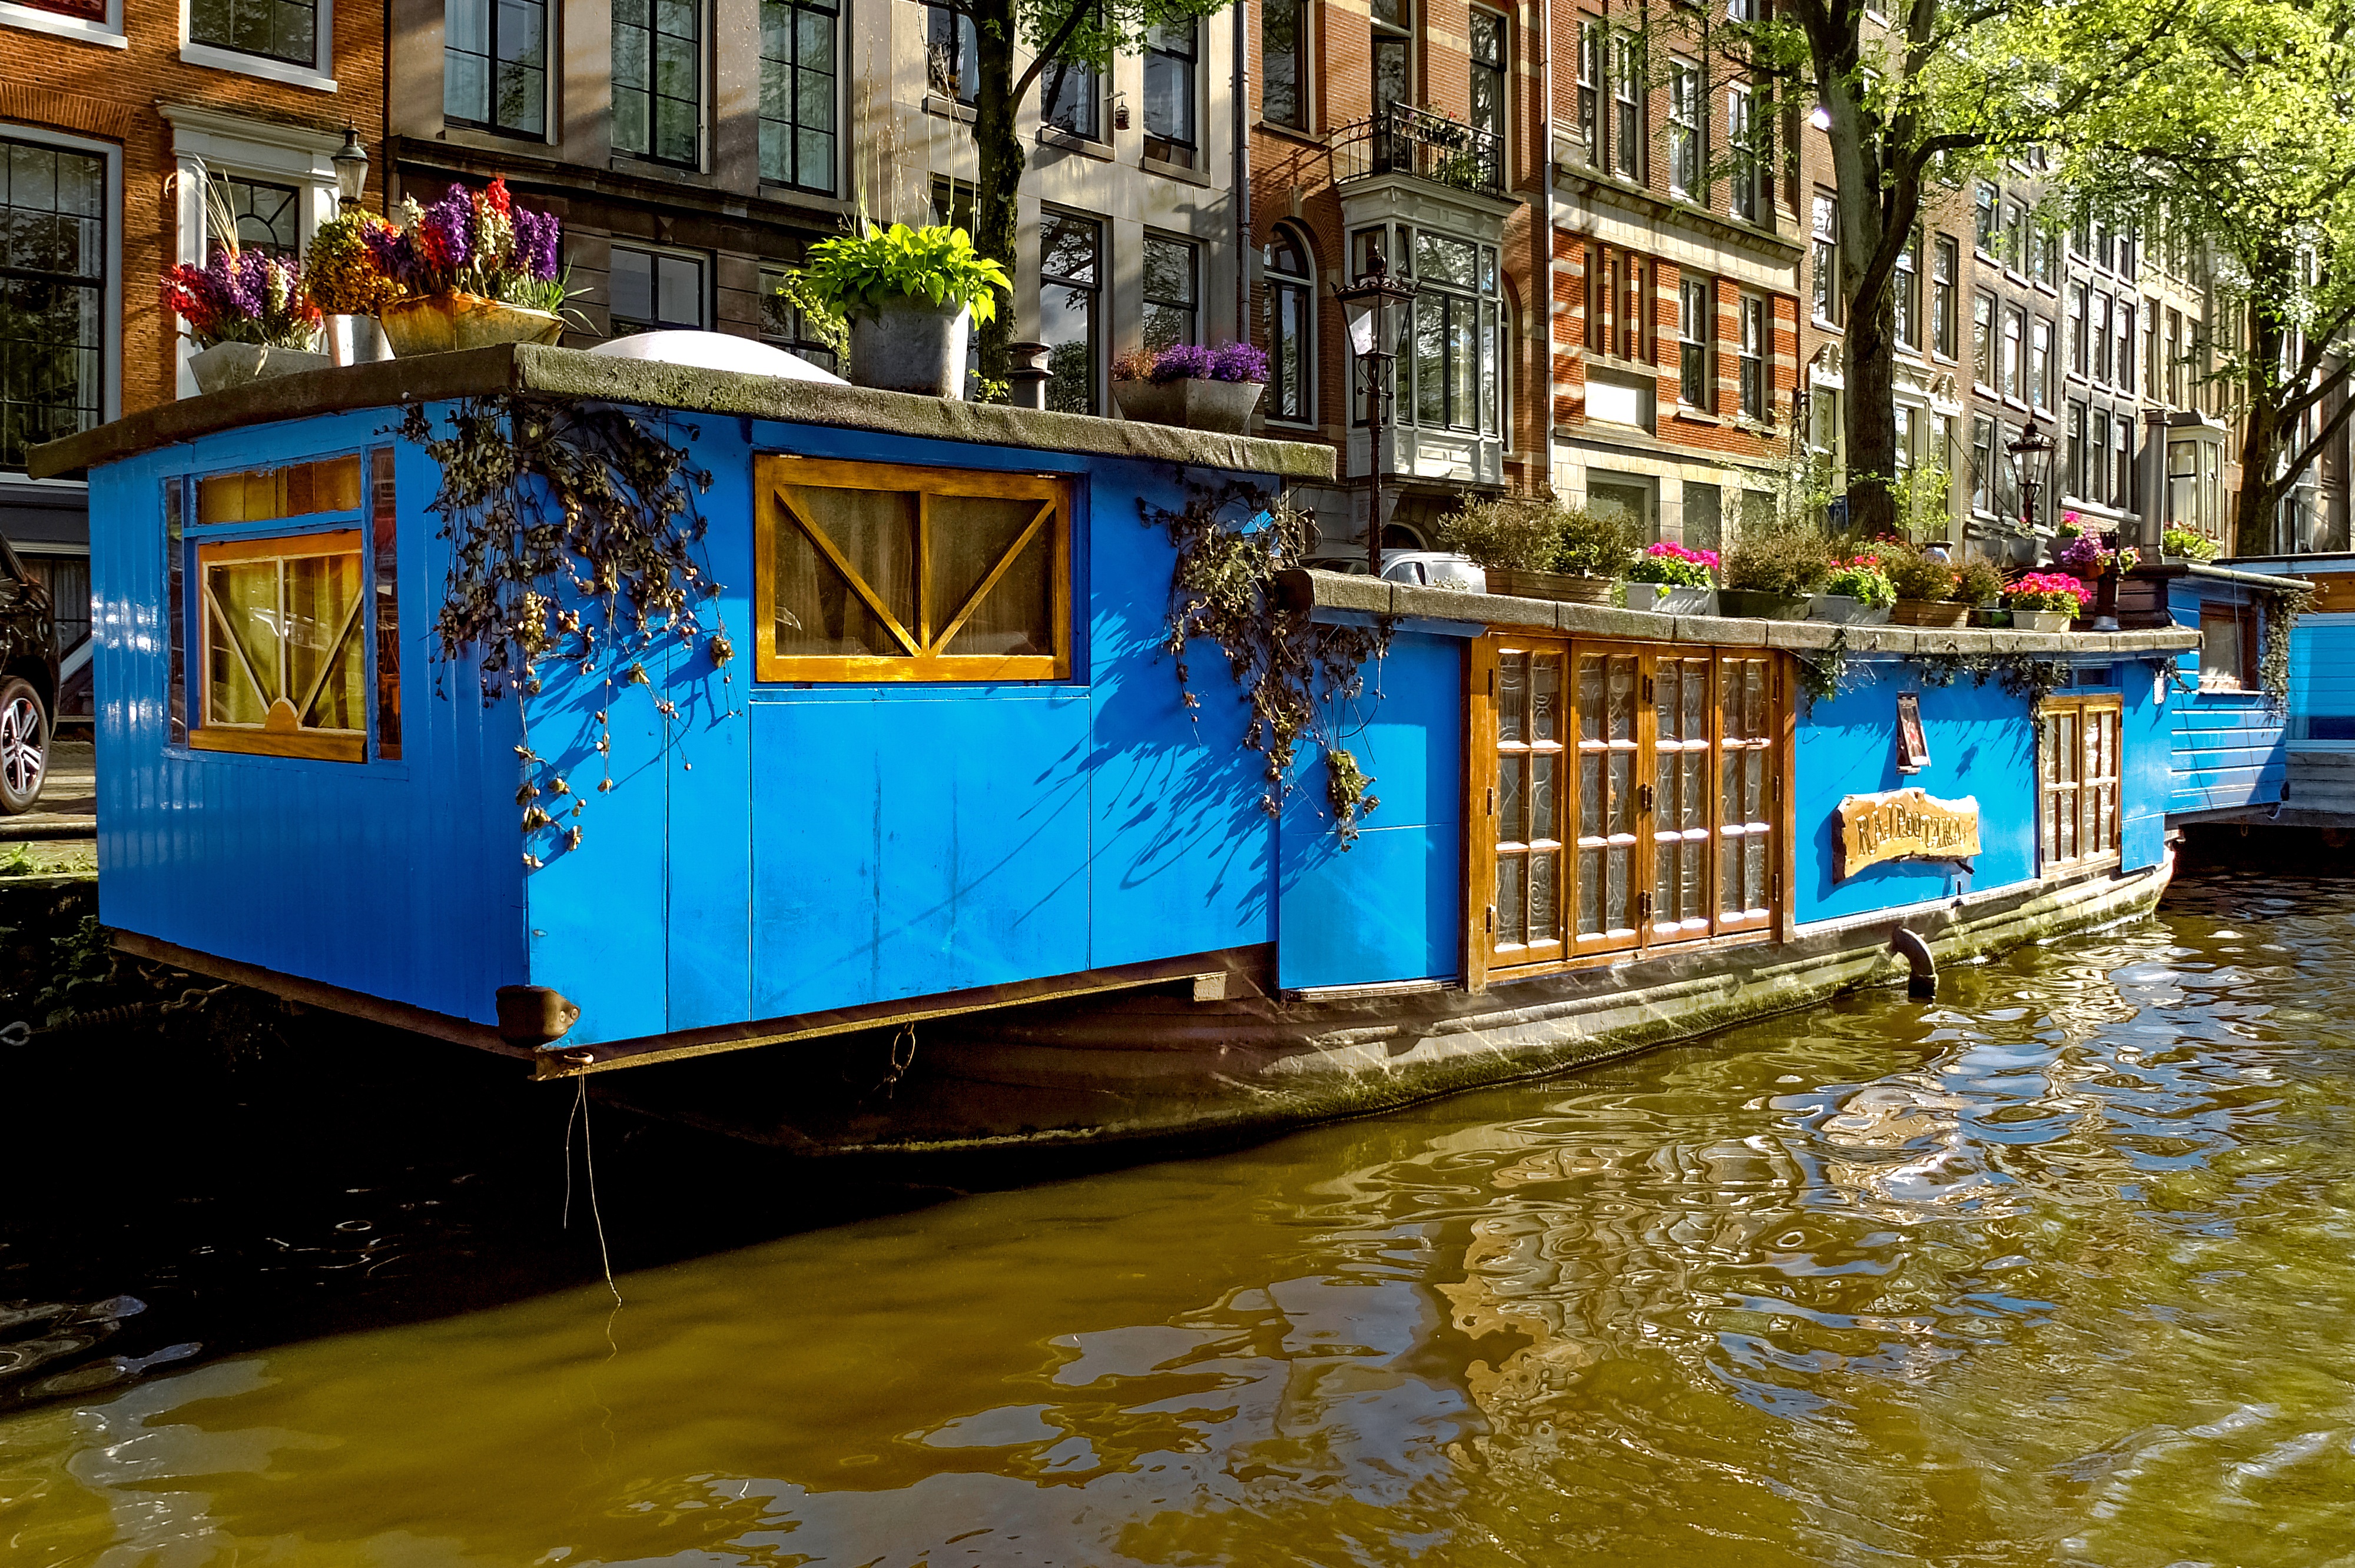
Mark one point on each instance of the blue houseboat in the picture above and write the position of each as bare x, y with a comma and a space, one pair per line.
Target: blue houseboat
944, 856
2230, 736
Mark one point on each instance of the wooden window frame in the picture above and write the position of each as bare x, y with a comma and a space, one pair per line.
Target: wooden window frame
922, 661
2243, 619
2110, 710
320, 744
1483, 961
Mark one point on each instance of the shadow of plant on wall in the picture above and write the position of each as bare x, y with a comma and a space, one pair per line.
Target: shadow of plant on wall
573, 536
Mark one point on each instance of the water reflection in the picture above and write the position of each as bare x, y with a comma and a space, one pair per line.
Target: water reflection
2055, 1272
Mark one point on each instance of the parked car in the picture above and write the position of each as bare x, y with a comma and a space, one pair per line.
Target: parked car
1434, 568
29, 683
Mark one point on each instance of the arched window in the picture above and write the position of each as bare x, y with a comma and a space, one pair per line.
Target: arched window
1291, 329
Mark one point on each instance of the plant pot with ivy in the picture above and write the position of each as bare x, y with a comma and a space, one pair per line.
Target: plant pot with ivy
1978, 586
912, 297
1191, 386
2047, 602
1769, 573
248, 316
1856, 593
1926, 588
472, 271
1670, 579
2185, 545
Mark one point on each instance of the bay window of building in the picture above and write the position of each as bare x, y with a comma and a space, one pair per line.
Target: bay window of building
2040, 364
282, 30
1696, 337
2195, 481
1457, 338
1488, 79
495, 65
657, 291
1983, 341
658, 80
1685, 154
2014, 328
798, 93
1170, 93
54, 318
1907, 288
1945, 304
1756, 349
1627, 78
1291, 335
1070, 306
1825, 253
2077, 777
951, 54
1590, 45
1171, 290
1282, 56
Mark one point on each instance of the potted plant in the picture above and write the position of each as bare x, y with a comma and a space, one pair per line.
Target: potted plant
1187, 384
341, 274
469, 271
1769, 573
912, 297
1857, 592
2087, 556
2047, 602
2181, 544
1669, 579
247, 315
1979, 585
1926, 588
1540, 549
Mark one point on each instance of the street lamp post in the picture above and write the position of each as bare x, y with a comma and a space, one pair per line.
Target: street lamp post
2031, 456
1366, 305
351, 162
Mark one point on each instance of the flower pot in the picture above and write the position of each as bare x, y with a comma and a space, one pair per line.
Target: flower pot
1993, 616
1928, 612
443, 323
1192, 401
2041, 620
1752, 604
1671, 598
1562, 588
1845, 610
226, 364
913, 346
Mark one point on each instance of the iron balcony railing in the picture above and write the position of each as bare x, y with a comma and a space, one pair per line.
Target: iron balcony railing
1404, 139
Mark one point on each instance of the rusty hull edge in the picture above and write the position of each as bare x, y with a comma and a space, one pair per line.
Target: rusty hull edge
1159, 1071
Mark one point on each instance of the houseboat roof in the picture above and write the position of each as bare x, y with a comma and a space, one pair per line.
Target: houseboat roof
570, 373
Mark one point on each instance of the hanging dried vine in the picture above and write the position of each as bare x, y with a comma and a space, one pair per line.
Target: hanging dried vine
2022, 674
1821, 674
1295, 672
573, 534
2279, 614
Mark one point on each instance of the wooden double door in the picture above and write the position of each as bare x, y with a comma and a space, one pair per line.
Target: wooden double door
1623, 796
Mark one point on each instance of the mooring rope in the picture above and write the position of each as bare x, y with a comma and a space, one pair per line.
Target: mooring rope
589, 1161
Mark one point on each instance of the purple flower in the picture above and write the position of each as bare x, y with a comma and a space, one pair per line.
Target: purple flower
1180, 360
449, 226
1238, 361
536, 243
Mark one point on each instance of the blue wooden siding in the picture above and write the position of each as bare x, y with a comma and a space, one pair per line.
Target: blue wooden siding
2226, 749
2322, 669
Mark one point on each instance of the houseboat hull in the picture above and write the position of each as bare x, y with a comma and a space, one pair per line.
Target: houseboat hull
1156, 1066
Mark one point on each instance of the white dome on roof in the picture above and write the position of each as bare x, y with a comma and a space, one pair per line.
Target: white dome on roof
715, 351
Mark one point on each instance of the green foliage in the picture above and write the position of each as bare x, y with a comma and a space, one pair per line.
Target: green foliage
2188, 542
1510, 533
1595, 544
2279, 614
1923, 496
1979, 582
1861, 577
1820, 674
858, 275
820, 322
1790, 560
2022, 674
1915, 573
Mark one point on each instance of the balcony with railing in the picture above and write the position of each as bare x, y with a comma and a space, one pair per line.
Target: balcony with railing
1404, 139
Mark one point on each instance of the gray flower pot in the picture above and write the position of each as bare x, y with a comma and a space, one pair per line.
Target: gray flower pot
1846, 612
1191, 401
1670, 599
1752, 604
226, 364
914, 346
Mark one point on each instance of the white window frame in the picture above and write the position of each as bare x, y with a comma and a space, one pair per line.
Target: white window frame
1687, 102
318, 78
110, 367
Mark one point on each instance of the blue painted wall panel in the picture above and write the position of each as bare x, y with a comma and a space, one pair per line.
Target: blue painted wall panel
2227, 749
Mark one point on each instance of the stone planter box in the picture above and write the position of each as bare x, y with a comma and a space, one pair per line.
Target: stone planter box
1670, 599
1562, 588
444, 323
1190, 401
1929, 612
1844, 610
913, 346
1750, 604
227, 364
1991, 616
2042, 619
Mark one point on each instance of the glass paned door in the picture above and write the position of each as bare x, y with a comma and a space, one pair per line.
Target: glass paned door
1680, 790
1609, 686
1745, 808
1529, 806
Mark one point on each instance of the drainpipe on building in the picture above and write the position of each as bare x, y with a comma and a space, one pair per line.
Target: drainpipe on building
1243, 176
2154, 480
1544, 239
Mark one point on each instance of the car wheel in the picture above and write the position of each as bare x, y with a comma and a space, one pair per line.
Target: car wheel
24, 746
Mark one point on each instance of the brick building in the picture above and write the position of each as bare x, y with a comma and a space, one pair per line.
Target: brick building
98, 196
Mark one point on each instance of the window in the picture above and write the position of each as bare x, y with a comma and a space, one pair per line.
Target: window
2015, 327
1695, 334
784, 326
2015, 237
2098, 459
650, 290
53, 316
2227, 647
2077, 311
1170, 292
1749, 139
495, 65
1070, 284
2097, 328
1757, 353
1627, 105
284, 30
1907, 288
1826, 259
2174, 358
2074, 483
2101, 252
2044, 257
1393, 38
1169, 93
1905, 449
951, 54
1488, 79
283, 632
1685, 154
1291, 314
2039, 365
797, 93
2195, 492
1823, 421
658, 80
2077, 768
1983, 465
1282, 56
2121, 462
2123, 321
1943, 302
2151, 352
875, 572
1070, 96
1983, 345
1589, 89
1633, 798
1984, 238
1455, 335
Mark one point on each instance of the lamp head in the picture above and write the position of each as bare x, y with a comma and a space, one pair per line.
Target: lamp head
351, 161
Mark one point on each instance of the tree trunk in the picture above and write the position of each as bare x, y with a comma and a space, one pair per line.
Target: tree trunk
999, 174
2261, 443
1869, 369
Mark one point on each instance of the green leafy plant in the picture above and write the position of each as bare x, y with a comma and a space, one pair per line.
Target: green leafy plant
2279, 614
1917, 574
1595, 544
858, 275
1861, 577
1788, 559
1674, 565
820, 322
2188, 542
1979, 582
1510, 533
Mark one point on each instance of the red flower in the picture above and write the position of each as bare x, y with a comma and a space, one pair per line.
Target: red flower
496, 196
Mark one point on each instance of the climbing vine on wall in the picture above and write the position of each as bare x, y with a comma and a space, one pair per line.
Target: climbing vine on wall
1296, 673
2279, 613
574, 535
1820, 674
2022, 674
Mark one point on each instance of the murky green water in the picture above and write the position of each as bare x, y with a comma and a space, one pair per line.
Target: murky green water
2061, 1270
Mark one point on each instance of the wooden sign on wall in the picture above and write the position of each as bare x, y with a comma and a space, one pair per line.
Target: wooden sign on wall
1905, 824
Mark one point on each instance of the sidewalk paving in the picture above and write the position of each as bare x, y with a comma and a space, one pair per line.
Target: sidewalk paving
67, 808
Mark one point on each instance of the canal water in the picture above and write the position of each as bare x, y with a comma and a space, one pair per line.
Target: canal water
2060, 1269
